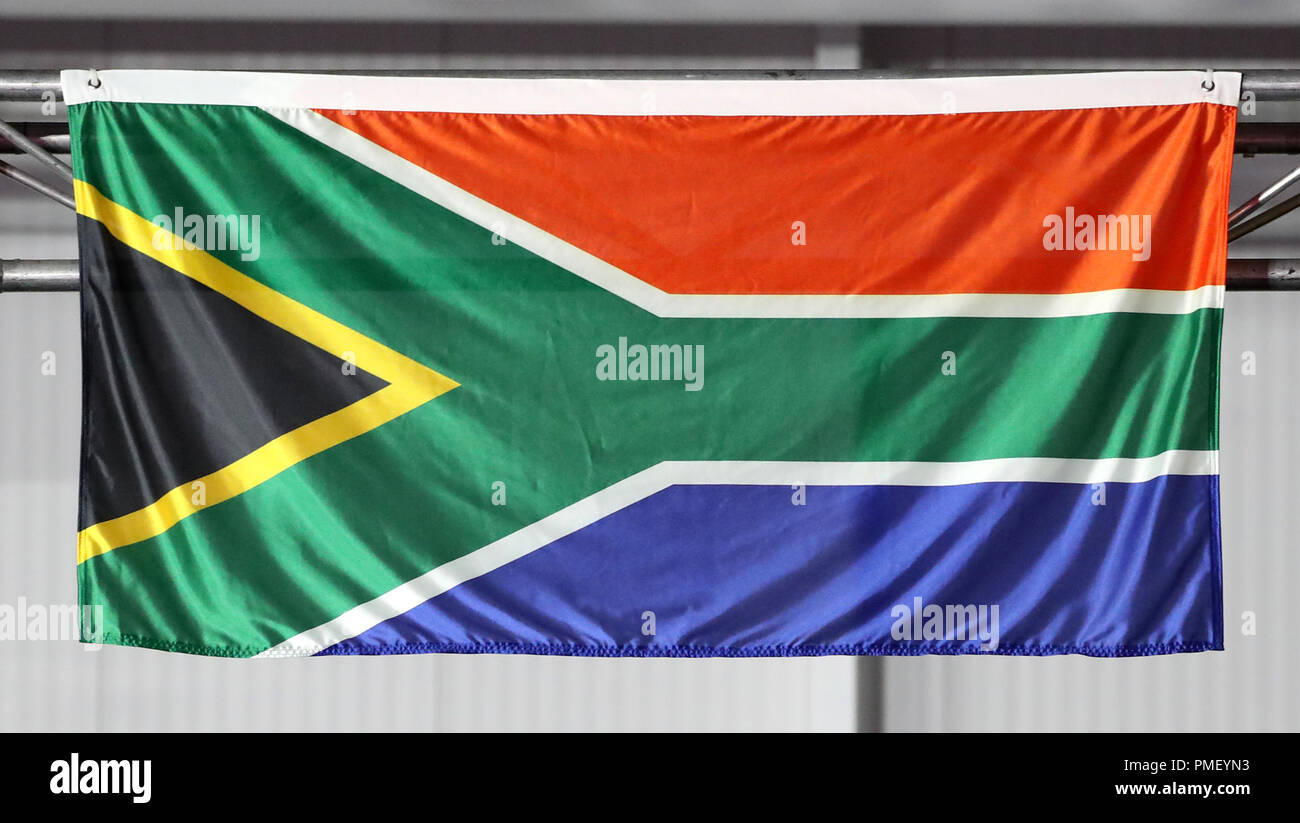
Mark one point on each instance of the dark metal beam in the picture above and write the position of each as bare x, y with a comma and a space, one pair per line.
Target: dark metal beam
1264, 275
1267, 138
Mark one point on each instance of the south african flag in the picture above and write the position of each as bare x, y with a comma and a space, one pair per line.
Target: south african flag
651, 367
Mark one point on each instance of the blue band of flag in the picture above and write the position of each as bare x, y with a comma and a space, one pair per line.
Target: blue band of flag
1107, 570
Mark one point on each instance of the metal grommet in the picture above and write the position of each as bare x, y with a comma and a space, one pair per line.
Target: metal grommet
1208, 82
94, 81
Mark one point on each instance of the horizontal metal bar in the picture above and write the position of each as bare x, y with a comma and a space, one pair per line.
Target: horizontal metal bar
1264, 84
30, 86
39, 275
1272, 84
1264, 138
62, 275
1264, 275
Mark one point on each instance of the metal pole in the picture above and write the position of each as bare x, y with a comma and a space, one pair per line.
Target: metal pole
36, 184
1254, 204
62, 275
1244, 227
1264, 275
1261, 138
54, 138
1263, 84
39, 275
1271, 84
30, 86
17, 138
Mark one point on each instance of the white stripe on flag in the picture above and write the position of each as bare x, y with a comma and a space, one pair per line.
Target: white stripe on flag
638, 97
662, 304
639, 486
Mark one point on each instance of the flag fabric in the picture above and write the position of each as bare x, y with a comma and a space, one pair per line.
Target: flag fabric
648, 367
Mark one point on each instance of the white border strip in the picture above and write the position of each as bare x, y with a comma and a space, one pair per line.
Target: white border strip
949, 95
639, 486
663, 304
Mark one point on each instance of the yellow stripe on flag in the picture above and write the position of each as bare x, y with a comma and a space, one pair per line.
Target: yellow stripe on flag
411, 384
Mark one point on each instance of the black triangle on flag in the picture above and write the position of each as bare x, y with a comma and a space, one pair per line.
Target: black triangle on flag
179, 380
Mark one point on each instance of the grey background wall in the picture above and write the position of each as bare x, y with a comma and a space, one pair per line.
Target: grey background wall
60, 686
